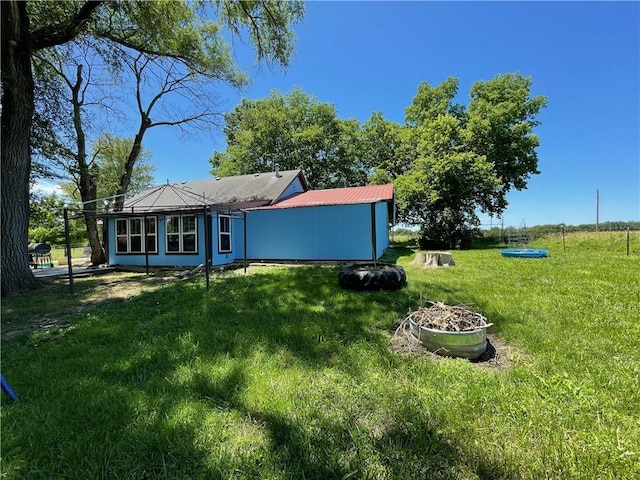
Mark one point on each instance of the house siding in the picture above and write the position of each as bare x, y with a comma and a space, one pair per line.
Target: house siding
237, 244
336, 232
320, 232
382, 228
161, 258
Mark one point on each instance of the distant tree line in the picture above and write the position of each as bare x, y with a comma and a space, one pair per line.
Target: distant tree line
497, 235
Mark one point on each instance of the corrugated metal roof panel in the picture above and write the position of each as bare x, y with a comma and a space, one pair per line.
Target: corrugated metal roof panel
338, 196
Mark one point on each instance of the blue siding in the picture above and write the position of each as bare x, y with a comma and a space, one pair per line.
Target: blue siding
237, 250
382, 228
161, 258
338, 232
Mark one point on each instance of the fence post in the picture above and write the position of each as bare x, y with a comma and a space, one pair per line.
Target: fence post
68, 241
628, 249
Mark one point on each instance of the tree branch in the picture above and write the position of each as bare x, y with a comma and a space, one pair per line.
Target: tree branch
53, 35
143, 49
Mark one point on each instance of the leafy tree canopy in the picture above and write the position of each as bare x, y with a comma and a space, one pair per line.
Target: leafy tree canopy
109, 154
466, 158
387, 149
292, 131
46, 223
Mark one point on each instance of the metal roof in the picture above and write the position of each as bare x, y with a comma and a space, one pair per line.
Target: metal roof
338, 196
238, 192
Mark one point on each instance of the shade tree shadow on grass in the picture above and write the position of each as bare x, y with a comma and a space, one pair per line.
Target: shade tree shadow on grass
148, 389
393, 253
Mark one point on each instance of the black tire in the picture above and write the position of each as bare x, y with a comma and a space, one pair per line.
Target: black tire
371, 277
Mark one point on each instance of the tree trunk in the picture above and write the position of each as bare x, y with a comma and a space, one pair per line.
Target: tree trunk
439, 259
434, 259
88, 182
97, 252
17, 111
134, 154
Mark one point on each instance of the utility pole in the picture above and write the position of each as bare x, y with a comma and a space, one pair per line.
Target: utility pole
597, 208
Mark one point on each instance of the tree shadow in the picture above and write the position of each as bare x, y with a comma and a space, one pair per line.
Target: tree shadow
392, 254
147, 388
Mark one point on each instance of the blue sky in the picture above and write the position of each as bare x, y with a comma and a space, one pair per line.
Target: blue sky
371, 56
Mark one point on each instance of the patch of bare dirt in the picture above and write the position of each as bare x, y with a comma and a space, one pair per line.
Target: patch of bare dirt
59, 307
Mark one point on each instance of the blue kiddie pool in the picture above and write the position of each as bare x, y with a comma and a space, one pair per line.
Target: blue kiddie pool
525, 252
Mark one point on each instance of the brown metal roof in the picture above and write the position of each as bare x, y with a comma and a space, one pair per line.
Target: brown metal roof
243, 190
338, 196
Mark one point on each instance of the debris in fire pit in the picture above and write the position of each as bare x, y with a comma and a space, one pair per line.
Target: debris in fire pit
449, 318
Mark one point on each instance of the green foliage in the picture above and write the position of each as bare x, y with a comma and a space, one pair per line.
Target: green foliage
292, 131
466, 159
46, 222
269, 24
386, 149
447, 162
280, 374
109, 155
500, 121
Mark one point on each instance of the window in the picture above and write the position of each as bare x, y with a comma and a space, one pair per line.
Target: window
130, 232
224, 233
182, 234
150, 235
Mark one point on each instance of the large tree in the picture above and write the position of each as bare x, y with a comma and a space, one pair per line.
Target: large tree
292, 130
152, 28
466, 158
19, 40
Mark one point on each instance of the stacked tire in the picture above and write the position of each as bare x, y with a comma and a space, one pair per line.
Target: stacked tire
372, 277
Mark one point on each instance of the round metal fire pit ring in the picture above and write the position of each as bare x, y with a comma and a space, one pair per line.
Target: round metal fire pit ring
466, 344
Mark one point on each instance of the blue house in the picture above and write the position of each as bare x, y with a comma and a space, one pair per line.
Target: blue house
262, 217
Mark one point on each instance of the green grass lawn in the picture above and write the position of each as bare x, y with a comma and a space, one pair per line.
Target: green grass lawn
281, 374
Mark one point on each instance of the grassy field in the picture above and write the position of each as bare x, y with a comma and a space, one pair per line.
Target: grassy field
281, 374
58, 255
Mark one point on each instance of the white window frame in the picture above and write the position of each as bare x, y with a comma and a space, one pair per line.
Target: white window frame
181, 233
142, 235
148, 235
224, 233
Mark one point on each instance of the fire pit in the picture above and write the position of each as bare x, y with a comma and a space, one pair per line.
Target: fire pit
452, 331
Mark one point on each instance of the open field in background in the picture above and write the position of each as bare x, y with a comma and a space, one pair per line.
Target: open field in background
614, 242
281, 374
